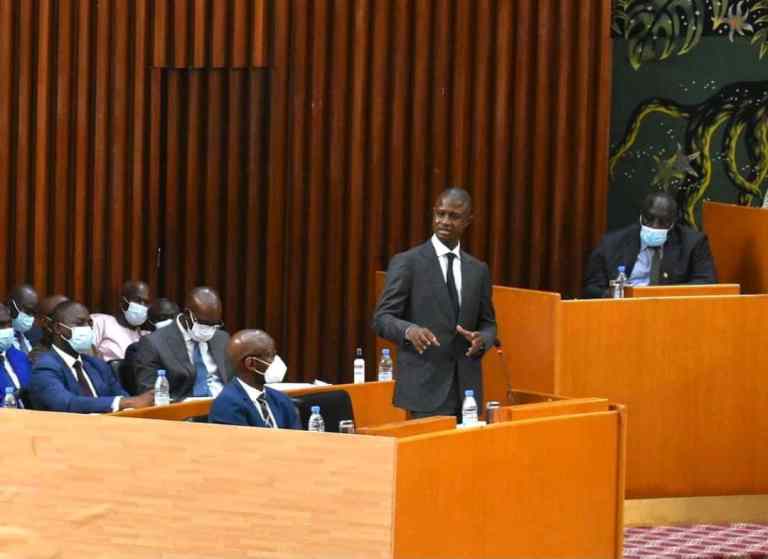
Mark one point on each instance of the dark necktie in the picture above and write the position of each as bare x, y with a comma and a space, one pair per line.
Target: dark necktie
200, 389
264, 410
452, 291
22, 342
85, 388
655, 265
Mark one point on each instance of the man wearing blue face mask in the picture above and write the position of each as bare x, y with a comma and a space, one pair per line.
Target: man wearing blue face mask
66, 379
22, 303
113, 334
14, 364
192, 350
655, 251
246, 400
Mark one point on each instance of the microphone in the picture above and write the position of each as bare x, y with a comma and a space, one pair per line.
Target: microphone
507, 376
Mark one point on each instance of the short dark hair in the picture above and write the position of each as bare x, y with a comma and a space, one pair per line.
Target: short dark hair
458, 194
62, 308
651, 198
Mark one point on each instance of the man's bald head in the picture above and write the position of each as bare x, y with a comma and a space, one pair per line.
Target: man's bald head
136, 291
456, 194
48, 304
250, 343
23, 298
205, 304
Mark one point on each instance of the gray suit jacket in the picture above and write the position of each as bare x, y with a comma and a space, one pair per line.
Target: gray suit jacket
416, 294
165, 349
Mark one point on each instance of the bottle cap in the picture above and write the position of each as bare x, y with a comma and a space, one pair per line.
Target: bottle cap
622, 268
359, 352
315, 409
161, 372
9, 390
385, 351
468, 393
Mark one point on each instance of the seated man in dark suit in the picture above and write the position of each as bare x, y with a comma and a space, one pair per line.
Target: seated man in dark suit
193, 350
656, 251
245, 400
14, 365
44, 320
22, 302
65, 379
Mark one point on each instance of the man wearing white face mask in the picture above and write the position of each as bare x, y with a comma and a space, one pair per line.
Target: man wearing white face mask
66, 379
655, 251
246, 401
14, 364
22, 303
192, 351
113, 334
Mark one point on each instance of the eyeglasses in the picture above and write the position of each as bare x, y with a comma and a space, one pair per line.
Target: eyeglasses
214, 324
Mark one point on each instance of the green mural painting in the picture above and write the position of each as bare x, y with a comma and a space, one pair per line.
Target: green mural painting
690, 110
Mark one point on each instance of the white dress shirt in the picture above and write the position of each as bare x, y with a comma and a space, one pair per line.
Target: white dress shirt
70, 362
214, 380
110, 338
11, 372
253, 394
441, 251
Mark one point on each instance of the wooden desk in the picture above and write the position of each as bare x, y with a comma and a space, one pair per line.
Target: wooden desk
681, 290
738, 237
691, 371
371, 403
100, 486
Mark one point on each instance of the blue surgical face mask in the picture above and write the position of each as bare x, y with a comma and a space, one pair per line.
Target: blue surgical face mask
6, 338
653, 237
81, 338
135, 314
23, 321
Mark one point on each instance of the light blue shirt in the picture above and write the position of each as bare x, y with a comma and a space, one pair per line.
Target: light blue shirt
641, 272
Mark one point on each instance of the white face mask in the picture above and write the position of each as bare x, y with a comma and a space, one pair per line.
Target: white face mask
136, 313
23, 322
201, 332
275, 371
163, 323
7, 336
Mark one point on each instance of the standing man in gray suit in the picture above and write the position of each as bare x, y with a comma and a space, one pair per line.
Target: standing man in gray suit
436, 305
193, 351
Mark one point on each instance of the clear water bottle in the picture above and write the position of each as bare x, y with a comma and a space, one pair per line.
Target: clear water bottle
9, 400
469, 408
385, 366
619, 283
162, 389
316, 422
359, 366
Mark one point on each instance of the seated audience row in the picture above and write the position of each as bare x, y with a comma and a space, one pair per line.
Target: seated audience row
58, 360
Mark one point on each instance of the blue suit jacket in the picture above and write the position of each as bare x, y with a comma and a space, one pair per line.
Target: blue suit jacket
20, 364
53, 386
233, 406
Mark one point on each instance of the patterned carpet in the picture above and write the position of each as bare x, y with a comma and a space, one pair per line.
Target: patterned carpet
704, 541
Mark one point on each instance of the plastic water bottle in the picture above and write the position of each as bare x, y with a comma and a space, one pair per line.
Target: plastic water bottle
359, 366
316, 422
469, 408
162, 389
619, 283
385, 366
9, 401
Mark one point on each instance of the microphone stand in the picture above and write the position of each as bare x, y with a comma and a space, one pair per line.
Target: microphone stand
507, 376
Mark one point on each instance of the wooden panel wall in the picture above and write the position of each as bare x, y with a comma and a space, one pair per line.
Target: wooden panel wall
131, 126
